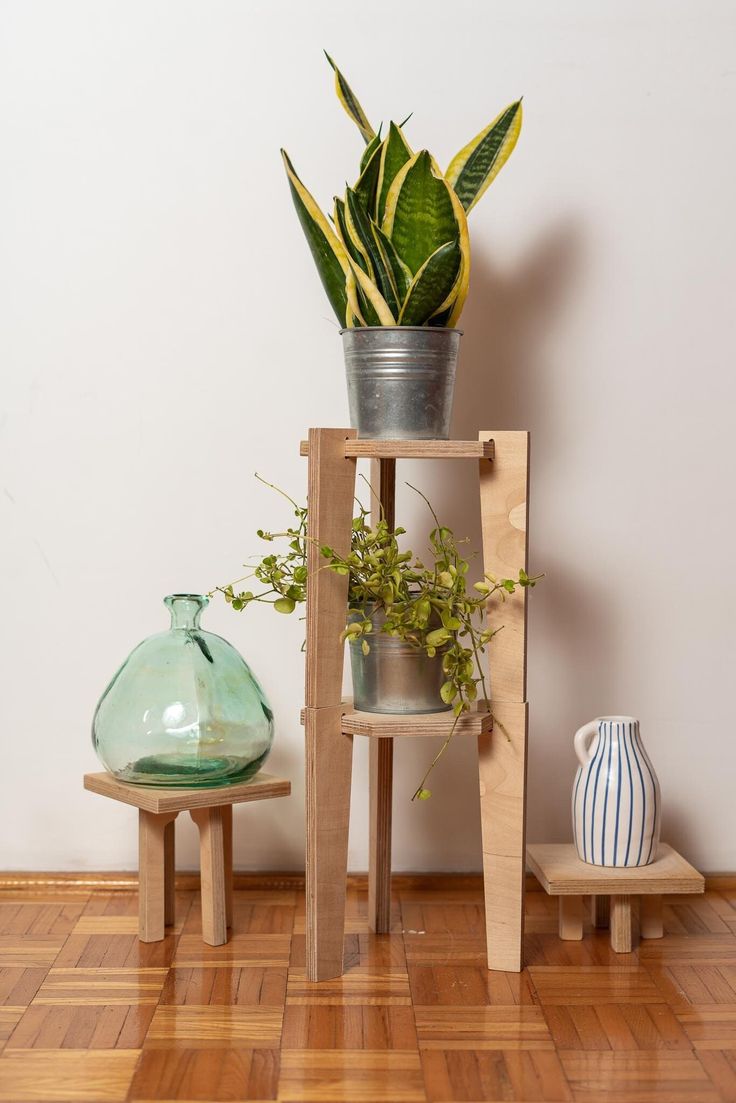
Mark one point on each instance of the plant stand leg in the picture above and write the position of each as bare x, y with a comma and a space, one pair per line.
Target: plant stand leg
152, 874
650, 917
227, 849
212, 874
329, 772
599, 911
381, 761
571, 918
502, 773
329, 752
620, 922
381, 770
502, 754
170, 873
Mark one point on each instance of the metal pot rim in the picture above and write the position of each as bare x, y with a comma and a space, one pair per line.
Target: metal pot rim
403, 329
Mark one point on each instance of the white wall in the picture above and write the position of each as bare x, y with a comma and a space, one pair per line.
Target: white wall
164, 335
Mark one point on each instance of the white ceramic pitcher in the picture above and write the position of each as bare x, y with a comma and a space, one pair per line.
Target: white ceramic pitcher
616, 802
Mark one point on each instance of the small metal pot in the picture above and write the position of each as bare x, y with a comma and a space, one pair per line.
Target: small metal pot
401, 380
395, 676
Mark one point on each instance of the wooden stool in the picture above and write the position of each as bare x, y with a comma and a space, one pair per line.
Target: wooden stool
330, 724
212, 811
561, 873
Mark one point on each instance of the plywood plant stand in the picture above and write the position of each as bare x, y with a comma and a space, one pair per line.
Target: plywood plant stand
561, 873
330, 723
212, 811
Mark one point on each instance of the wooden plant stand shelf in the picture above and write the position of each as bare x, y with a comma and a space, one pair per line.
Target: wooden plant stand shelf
212, 811
330, 723
561, 873
414, 449
382, 725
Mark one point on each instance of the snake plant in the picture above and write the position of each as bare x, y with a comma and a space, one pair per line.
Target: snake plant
395, 250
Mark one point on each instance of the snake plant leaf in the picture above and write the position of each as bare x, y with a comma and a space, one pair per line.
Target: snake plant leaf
400, 272
341, 222
367, 183
441, 318
395, 153
370, 149
431, 286
360, 220
349, 101
374, 302
476, 166
460, 291
354, 315
367, 310
327, 250
420, 215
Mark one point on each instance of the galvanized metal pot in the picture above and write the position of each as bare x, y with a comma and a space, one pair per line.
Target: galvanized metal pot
395, 676
401, 380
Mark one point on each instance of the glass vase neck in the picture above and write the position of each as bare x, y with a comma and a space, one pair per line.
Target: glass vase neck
186, 609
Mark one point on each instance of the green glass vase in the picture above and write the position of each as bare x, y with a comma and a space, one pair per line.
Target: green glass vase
184, 709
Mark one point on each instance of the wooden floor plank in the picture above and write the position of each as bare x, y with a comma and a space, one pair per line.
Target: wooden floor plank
66, 1076
216, 1075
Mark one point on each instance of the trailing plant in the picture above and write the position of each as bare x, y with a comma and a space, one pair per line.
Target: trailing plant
396, 251
430, 606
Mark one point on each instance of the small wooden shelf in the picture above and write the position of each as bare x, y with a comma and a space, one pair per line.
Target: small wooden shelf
152, 799
414, 449
561, 873
612, 890
391, 725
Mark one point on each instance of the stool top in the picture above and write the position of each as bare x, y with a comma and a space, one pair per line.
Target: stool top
561, 873
168, 799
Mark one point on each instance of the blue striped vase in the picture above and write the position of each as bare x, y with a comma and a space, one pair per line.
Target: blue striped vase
616, 803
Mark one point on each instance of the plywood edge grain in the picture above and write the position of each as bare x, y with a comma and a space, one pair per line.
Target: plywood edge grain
414, 449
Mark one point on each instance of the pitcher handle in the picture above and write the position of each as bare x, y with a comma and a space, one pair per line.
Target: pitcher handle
583, 736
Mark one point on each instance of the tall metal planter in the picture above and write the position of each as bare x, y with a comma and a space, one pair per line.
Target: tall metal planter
401, 380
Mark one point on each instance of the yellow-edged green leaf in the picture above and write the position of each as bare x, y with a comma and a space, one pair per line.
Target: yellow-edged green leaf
460, 291
370, 149
419, 215
441, 318
399, 270
354, 314
431, 285
367, 183
367, 309
395, 152
348, 235
359, 219
349, 101
478, 163
373, 298
327, 250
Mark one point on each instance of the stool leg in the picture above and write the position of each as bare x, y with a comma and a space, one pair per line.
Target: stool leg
571, 918
152, 874
650, 917
212, 874
599, 911
620, 921
380, 781
170, 873
227, 847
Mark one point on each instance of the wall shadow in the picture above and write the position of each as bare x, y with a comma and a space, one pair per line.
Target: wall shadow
505, 381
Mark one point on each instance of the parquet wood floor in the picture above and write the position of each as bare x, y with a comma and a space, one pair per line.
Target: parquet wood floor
88, 1014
